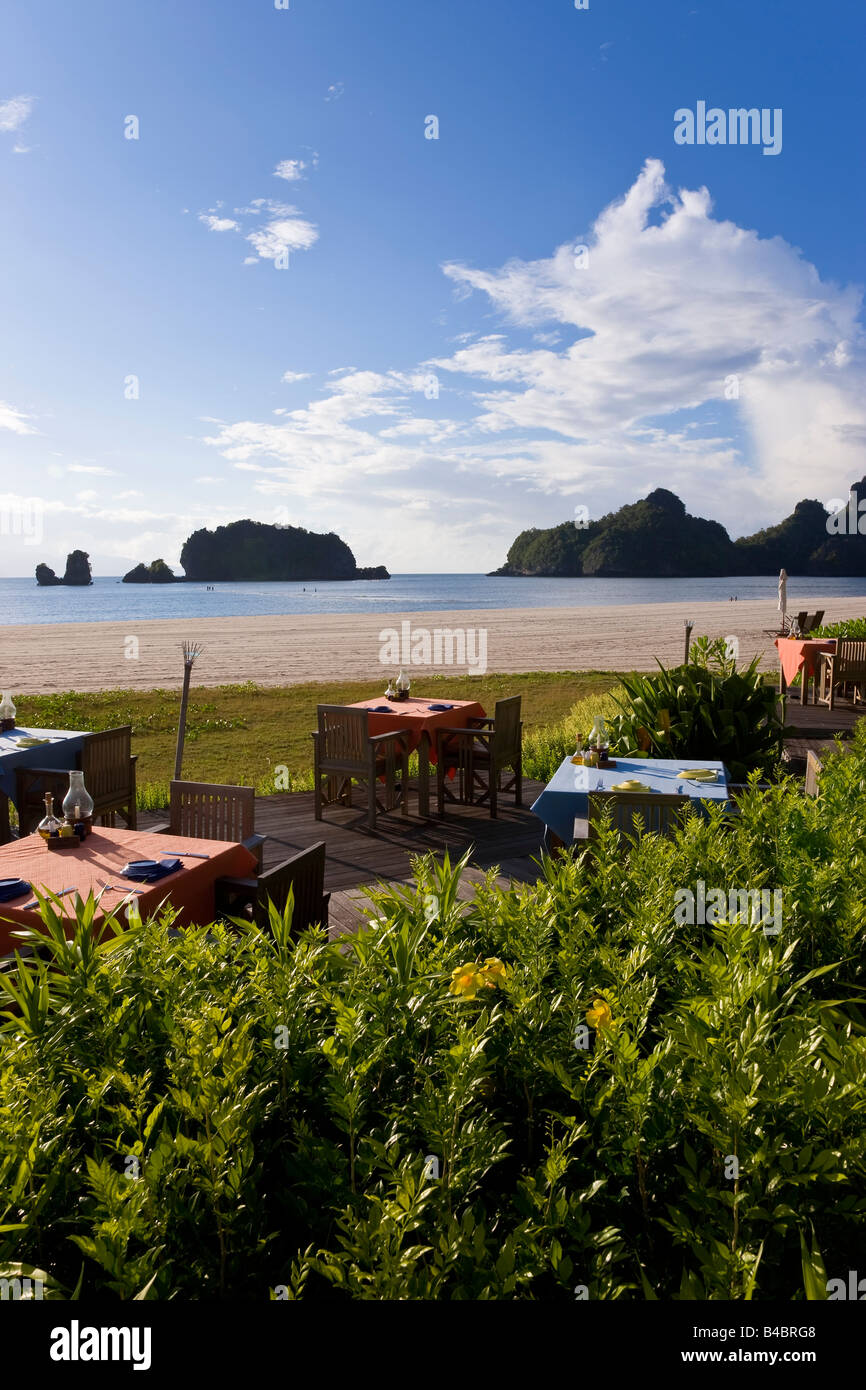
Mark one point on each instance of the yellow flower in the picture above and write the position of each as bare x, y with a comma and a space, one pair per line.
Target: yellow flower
466, 981
494, 971
599, 1016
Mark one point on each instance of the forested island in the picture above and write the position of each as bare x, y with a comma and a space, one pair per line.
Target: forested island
256, 550
657, 537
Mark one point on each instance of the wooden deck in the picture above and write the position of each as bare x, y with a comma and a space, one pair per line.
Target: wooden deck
355, 855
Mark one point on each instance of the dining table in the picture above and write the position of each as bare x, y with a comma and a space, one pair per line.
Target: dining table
565, 799
421, 718
59, 749
100, 860
801, 655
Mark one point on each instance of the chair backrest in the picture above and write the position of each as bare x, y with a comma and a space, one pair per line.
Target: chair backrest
506, 730
304, 874
850, 661
106, 763
798, 625
344, 737
660, 814
208, 811
813, 620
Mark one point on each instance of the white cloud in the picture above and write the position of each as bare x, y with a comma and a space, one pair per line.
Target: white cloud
92, 468
295, 376
281, 228
598, 383
130, 492
284, 231
335, 91
218, 224
290, 169
14, 112
207, 478
14, 420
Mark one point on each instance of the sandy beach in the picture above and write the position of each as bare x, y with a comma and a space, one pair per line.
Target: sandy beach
291, 649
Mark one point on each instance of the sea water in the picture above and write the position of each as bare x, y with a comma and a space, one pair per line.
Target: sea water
107, 600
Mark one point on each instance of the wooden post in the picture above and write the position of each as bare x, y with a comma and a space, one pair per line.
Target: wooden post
190, 652
689, 622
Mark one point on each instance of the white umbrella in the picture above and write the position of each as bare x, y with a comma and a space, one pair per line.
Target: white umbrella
783, 594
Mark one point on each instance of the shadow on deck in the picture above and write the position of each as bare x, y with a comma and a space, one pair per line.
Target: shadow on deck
356, 855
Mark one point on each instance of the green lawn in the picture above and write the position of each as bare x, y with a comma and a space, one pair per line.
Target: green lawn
243, 733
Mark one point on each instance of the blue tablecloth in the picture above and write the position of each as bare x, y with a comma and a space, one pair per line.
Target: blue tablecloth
61, 752
566, 796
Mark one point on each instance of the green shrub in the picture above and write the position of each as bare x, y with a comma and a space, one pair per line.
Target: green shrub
544, 749
695, 711
853, 628
223, 1113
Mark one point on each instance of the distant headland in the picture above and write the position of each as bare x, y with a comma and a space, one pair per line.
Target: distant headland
657, 538
241, 550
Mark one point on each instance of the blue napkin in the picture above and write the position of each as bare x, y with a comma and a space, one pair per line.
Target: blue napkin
151, 870
440, 707
13, 888
381, 709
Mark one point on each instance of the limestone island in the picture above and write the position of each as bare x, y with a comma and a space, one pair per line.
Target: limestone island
657, 538
77, 571
245, 550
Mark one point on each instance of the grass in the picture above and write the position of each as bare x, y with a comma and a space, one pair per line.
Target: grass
244, 734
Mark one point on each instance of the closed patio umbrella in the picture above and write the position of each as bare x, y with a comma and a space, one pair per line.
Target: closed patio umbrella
783, 594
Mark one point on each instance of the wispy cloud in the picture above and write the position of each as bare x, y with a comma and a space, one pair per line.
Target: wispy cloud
217, 223
15, 420
293, 169
295, 376
281, 227
335, 91
92, 468
14, 112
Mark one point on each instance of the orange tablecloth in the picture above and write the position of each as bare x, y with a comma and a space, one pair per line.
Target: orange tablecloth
415, 716
102, 856
801, 654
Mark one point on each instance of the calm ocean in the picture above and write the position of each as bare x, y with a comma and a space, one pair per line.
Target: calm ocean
22, 601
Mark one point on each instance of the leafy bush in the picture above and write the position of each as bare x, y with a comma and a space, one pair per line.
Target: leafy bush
222, 1113
852, 628
696, 712
544, 749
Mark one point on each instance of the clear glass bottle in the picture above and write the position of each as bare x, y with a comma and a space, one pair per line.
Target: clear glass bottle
49, 825
7, 713
77, 803
403, 684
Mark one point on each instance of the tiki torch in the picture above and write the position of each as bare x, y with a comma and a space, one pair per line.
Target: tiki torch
190, 651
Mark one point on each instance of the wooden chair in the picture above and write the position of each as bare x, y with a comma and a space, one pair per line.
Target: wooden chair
5, 827
108, 764
344, 751
479, 754
303, 875
813, 620
211, 811
657, 813
845, 666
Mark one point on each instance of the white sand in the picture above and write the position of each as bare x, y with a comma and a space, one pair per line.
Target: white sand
291, 649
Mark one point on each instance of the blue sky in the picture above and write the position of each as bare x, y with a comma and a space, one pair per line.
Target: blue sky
458, 375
